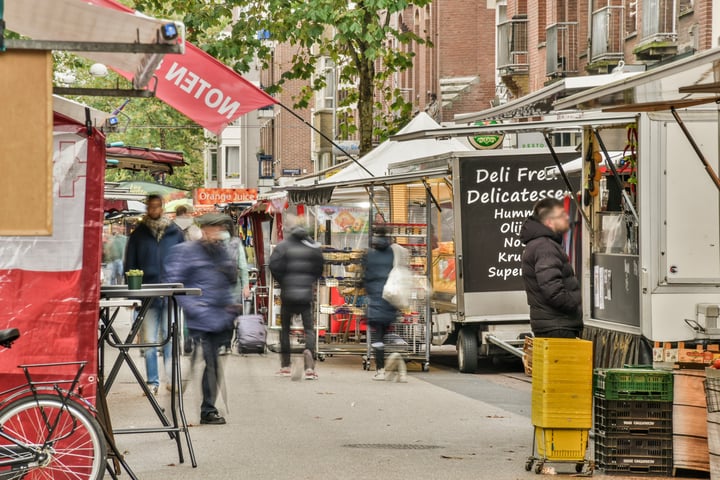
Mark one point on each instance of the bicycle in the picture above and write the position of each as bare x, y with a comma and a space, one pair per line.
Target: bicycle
46, 431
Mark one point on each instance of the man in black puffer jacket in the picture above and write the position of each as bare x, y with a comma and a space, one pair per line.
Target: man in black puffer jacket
553, 292
297, 263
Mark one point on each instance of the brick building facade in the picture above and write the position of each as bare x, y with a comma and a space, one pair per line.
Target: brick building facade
540, 41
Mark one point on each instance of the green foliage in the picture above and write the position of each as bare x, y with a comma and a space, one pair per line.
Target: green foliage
356, 35
149, 123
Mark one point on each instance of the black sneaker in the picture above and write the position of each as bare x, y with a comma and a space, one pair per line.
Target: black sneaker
212, 419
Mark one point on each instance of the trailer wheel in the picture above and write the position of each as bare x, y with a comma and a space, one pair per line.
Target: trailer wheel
467, 347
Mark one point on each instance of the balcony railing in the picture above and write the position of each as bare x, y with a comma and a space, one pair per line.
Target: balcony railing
512, 46
562, 49
607, 37
658, 20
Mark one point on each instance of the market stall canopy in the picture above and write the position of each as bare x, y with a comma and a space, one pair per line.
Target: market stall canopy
145, 159
81, 21
541, 102
391, 151
656, 88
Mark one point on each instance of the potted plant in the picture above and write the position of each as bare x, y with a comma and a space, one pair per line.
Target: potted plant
134, 279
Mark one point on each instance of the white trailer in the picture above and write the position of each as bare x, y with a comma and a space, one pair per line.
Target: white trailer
650, 249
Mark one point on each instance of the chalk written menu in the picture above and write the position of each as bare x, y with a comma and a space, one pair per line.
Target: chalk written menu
497, 195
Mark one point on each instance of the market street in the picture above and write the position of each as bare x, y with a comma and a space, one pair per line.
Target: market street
440, 423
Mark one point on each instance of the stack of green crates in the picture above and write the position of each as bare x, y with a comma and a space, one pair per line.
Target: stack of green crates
562, 397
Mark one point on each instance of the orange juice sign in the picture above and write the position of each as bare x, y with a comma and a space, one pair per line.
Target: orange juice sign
211, 196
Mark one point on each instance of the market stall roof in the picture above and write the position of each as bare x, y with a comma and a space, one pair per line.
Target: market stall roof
146, 159
391, 151
661, 85
146, 188
81, 21
321, 194
541, 102
77, 111
563, 122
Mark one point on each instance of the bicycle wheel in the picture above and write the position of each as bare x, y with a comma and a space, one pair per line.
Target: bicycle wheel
75, 449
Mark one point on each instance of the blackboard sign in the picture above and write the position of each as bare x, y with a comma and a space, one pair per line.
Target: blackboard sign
497, 195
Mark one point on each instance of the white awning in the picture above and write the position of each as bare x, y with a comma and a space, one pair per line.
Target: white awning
78, 21
541, 102
655, 87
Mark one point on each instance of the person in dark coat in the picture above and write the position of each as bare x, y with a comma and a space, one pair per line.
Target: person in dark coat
206, 264
146, 250
376, 267
296, 264
553, 291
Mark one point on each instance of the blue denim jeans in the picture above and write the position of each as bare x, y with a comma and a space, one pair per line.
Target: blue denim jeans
155, 330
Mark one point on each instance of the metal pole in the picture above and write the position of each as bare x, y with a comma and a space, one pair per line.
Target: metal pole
620, 185
332, 142
569, 186
695, 147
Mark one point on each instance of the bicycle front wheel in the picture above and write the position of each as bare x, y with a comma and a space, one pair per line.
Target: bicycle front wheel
69, 438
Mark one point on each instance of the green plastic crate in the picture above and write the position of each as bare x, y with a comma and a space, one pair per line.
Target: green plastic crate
633, 384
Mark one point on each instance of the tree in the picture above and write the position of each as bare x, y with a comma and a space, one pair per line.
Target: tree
358, 36
147, 122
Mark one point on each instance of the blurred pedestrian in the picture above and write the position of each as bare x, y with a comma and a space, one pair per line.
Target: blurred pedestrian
553, 292
376, 268
186, 223
118, 243
147, 248
207, 265
297, 263
191, 232
236, 250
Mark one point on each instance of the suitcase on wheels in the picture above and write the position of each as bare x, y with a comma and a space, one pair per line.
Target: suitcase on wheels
250, 331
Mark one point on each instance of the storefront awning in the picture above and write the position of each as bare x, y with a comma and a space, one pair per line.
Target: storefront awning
659, 88
81, 21
541, 102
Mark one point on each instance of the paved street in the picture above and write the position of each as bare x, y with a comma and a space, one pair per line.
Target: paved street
345, 425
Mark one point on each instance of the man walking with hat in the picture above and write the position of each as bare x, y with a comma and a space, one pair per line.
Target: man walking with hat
207, 265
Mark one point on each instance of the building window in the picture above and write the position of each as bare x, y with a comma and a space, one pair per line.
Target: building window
658, 20
265, 165
232, 162
213, 165
631, 17
325, 99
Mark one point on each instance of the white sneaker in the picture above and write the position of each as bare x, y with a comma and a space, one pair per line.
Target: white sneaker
379, 375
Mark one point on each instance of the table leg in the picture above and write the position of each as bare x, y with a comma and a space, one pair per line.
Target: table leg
177, 384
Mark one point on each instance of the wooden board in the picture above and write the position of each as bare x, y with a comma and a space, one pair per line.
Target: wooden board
690, 444
26, 126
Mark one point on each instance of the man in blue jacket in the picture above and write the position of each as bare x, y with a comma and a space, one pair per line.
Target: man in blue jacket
207, 265
147, 248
